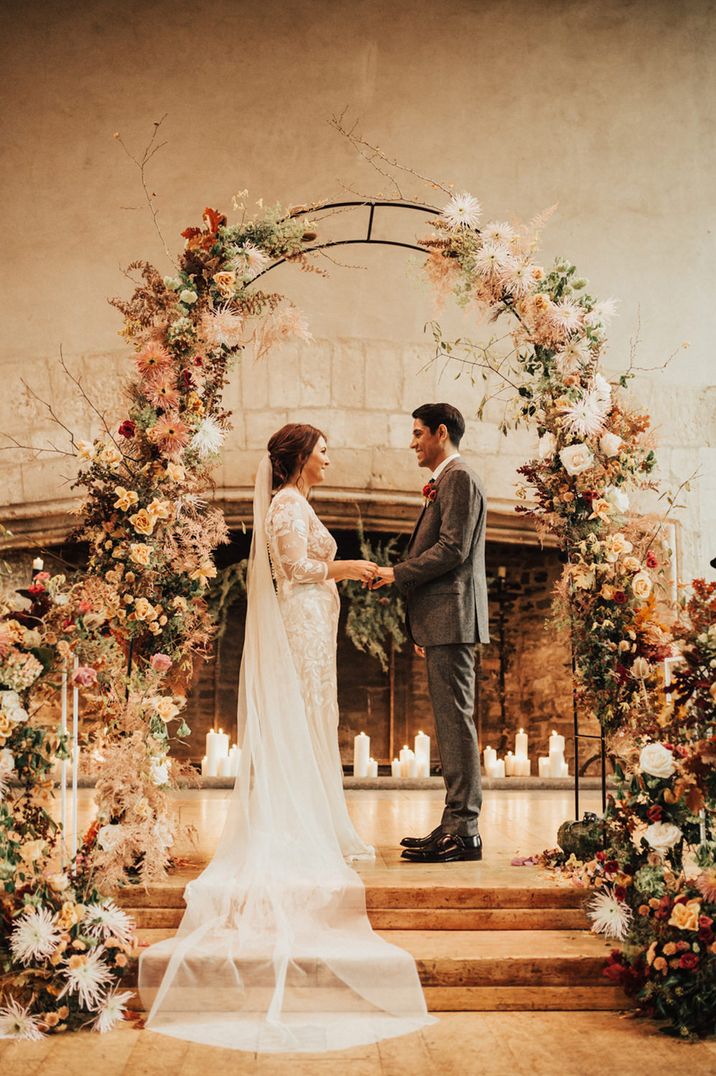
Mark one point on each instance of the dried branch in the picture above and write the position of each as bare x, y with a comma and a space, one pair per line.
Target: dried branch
150, 149
32, 448
80, 387
377, 158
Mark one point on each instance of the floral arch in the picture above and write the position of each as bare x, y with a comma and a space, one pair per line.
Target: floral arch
127, 630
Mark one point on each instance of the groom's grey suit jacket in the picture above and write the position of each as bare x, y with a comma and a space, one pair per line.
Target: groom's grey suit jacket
443, 573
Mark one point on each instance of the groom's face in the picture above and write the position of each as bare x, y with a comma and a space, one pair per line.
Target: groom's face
427, 446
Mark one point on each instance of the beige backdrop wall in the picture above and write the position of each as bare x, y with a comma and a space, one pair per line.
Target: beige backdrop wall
603, 107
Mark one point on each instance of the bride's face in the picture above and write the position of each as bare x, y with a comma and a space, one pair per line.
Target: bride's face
314, 468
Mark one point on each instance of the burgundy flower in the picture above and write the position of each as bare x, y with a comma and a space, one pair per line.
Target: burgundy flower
589, 495
620, 892
655, 813
611, 867
705, 921
41, 577
620, 597
186, 381
198, 360
35, 589
429, 492
705, 935
651, 560
127, 428
688, 961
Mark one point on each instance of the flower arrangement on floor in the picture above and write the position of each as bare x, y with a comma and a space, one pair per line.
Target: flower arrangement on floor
653, 868
63, 946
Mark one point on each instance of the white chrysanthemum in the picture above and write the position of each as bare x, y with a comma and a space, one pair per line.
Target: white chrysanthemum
107, 920
223, 327
35, 936
519, 280
572, 357
493, 260
208, 438
566, 316
462, 211
609, 916
587, 415
602, 389
602, 312
250, 261
18, 1023
112, 1010
499, 232
87, 976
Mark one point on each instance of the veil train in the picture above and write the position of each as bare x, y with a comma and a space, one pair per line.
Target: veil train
275, 951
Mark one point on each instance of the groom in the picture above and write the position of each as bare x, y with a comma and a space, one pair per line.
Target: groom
443, 580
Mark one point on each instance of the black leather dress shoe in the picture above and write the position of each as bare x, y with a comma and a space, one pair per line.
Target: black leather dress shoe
421, 842
448, 848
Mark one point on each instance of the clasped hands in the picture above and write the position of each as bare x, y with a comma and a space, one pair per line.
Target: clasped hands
382, 577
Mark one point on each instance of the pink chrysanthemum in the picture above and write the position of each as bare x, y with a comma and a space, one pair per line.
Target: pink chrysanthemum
169, 434
223, 327
706, 884
153, 357
282, 324
161, 390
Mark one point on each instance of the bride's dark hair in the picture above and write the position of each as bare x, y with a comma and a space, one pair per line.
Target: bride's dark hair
289, 448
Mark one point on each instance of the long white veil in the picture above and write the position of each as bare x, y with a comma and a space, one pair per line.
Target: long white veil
275, 951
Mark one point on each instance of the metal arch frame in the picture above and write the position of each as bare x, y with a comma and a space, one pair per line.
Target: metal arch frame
433, 211
372, 205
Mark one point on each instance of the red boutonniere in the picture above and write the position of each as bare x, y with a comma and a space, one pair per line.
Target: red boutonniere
429, 493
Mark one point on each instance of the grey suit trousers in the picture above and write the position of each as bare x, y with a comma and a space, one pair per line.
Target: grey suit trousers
451, 679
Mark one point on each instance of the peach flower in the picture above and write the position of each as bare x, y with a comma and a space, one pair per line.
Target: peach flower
685, 915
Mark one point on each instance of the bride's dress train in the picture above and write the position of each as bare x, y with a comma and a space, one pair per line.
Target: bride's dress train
275, 951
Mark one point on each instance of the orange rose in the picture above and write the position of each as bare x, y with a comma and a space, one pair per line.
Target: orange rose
142, 522
685, 915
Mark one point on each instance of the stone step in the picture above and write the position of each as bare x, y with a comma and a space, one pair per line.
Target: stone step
155, 917
501, 969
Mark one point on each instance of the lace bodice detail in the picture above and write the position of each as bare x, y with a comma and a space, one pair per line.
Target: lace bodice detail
300, 546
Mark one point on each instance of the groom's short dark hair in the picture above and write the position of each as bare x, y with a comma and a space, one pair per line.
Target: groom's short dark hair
442, 414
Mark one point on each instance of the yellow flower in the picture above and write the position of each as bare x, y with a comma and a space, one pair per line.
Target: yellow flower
110, 456
160, 509
660, 964
85, 450
685, 916
70, 915
651, 952
631, 564
194, 403
205, 571
226, 283
143, 609
600, 509
140, 553
142, 522
175, 472
180, 603
607, 592
126, 498
669, 949
165, 707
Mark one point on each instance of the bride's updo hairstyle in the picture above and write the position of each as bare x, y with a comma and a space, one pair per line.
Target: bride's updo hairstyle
289, 448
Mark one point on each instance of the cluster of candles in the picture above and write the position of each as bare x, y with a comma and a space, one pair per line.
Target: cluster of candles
411, 763
519, 765
220, 760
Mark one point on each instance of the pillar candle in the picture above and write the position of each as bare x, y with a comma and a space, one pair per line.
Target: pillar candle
226, 766
422, 754
361, 755
555, 741
498, 768
543, 764
522, 767
235, 755
372, 770
565, 770
406, 757
395, 768
205, 766
38, 564
509, 764
489, 756
556, 761
521, 744
217, 747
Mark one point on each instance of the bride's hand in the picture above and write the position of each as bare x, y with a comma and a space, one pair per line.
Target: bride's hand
361, 570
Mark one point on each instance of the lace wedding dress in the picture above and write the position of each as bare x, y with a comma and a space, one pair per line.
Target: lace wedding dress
275, 951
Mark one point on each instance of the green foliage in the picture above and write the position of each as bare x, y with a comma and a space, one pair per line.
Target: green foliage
375, 617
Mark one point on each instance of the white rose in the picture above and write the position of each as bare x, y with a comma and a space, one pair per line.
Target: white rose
9, 700
7, 762
576, 458
641, 586
163, 832
17, 715
109, 836
662, 835
187, 296
160, 772
546, 446
617, 498
610, 443
656, 760
58, 882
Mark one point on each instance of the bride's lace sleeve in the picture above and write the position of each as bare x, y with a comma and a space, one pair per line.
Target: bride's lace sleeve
288, 539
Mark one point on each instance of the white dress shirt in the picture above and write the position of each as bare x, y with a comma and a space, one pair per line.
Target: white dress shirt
441, 466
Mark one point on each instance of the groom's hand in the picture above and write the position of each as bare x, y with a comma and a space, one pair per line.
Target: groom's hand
382, 578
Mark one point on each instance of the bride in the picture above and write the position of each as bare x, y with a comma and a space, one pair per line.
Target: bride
275, 951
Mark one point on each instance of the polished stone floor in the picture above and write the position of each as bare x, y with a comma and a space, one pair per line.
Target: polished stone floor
461, 1043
